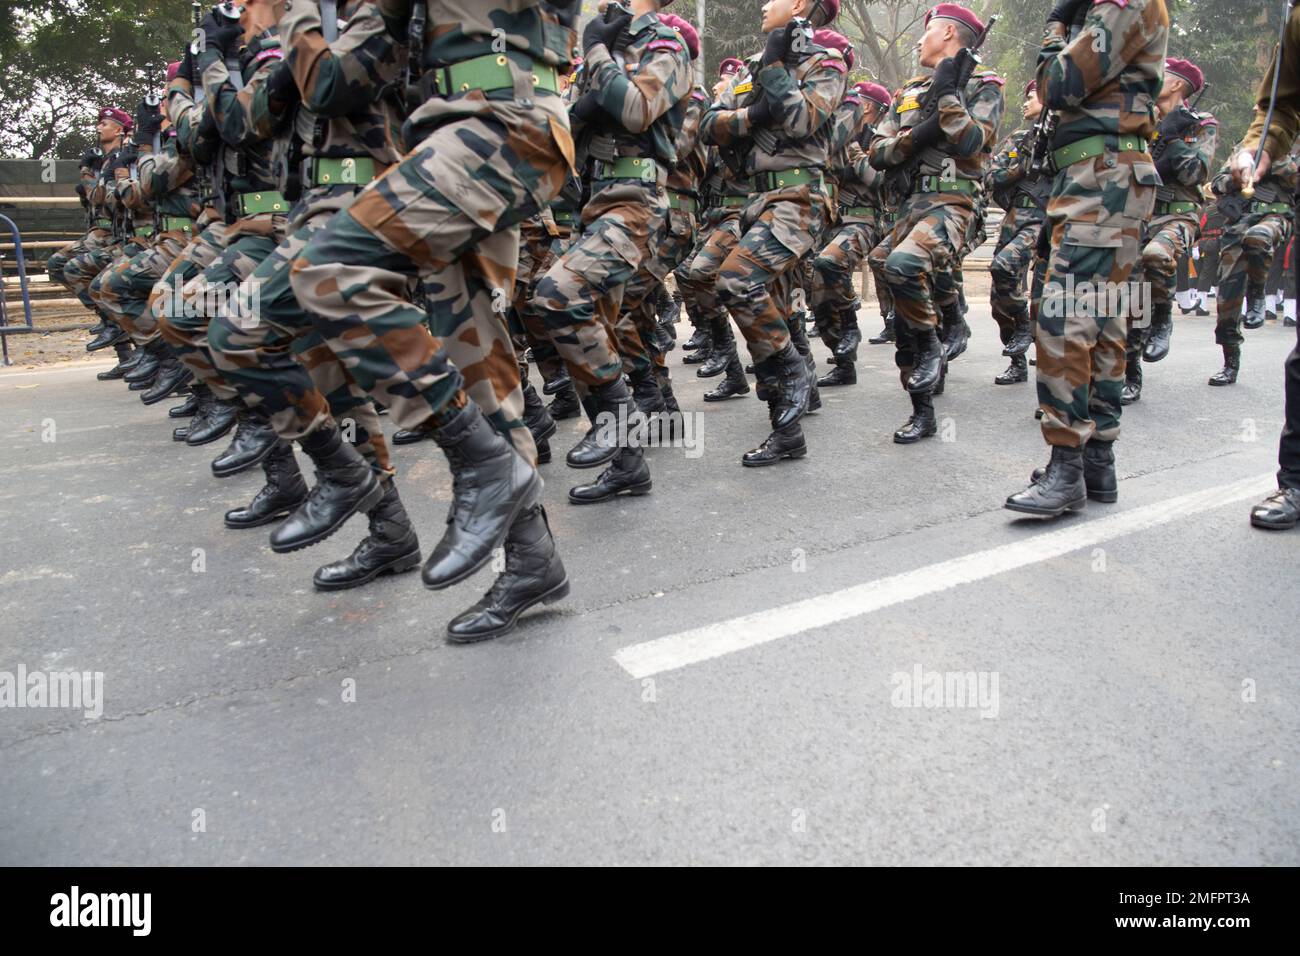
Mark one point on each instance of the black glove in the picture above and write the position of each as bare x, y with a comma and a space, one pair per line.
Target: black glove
1177, 123
927, 132
760, 113
221, 33
588, 108
92, 158
775, 49
1165, 167
612, 34
1065, 10
188, 70
945, 79
280, 85
148, 123
129, 154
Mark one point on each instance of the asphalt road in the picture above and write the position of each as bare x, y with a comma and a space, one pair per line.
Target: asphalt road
1137, 664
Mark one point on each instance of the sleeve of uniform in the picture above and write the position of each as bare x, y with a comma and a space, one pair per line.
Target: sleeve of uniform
160, 175
1191, 158
845, 123
1286, 115
242, 116
971, 127
128, 188
803, 108
1113, 34
341, 78
723, 124
689, 135
662, 79
1006, 168
889, 147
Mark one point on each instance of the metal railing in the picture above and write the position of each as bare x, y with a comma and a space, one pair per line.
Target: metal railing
5, 328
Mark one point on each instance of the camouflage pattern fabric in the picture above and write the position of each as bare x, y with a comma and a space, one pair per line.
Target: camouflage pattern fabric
1013, 257
1246, 251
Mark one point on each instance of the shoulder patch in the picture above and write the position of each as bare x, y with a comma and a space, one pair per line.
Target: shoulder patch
699, 95
273, 54
671, 45
1118, 3
1209, 121
990, 77
836, 63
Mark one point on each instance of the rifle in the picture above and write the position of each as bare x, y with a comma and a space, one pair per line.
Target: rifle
600, 143
1162, 140
901, 178
1040, 156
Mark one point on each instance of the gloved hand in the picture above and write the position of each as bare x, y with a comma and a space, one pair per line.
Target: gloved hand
760, 113
127, 155
92, 158
775, 49
188, 70
1066, 10
588, 108
280, 85
611, 34
927, 132
945, 78
1177, 123
148, 123
221, 33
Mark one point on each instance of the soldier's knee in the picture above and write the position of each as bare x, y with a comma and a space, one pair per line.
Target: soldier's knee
1158, 261
901, 270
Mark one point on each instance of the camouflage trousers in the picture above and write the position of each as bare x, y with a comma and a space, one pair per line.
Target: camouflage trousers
1169, 239
1246, 251
57, 264
720, 236
777, 230
834, 269
636, 326
1095, 213
918, 259
1013, 258
82, 269
539, 247
604, 272
176, 313
127, 285
269, 350
447, 219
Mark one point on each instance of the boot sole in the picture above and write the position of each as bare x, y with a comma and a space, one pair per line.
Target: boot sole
1105, 497
410, 441
913, 441
635, 491
556, 593
1048, 512
548, 433
407, 562
524, 501
1271, 526
371, 499
793, 454
1013, 381
723, 398
708, 373
266, 519
229, 472
1220, 384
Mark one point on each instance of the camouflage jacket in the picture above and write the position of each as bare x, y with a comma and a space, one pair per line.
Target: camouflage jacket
803, 97
646, 93
349, 107
244, 117
1009, 178
859, 184
1186, 160
165, 181
970, 129
692, 154
526, 32
96, 184
1105, 79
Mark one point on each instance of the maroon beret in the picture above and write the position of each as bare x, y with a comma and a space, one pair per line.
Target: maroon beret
120, 117
831, 8
730, 67
1031, 87
172, 70
835, 41
957, 13
684, 30
873, 91
1186, 70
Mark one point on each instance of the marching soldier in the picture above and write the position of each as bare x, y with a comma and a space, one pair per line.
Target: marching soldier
1101, 68
1022, 191
1184, 150
940, 160
1264, 145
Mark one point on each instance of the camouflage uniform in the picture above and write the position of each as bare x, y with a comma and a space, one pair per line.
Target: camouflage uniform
447, 217
1023, 194
1096, 207
783, 222
933, 224
1247, 245
338, 138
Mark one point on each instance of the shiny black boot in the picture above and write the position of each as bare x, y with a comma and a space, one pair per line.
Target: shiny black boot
1162, 329
533, 574
213, 421
1231, 366
410, 436
1060, 488
253, 441
844, 373
391, 547
928, 362
846, 350
186, 409
110, 334
171, 378
284, 491
921, 424
565, 405
733, 385
886, 334
1254, 311
1017, 372
1022, 336
146, 370
345, 484
1132, 390
126, 360
956, 331
491, 485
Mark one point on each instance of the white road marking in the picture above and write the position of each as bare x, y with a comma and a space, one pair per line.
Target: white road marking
741, 633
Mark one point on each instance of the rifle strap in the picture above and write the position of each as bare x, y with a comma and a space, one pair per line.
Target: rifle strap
329, 20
